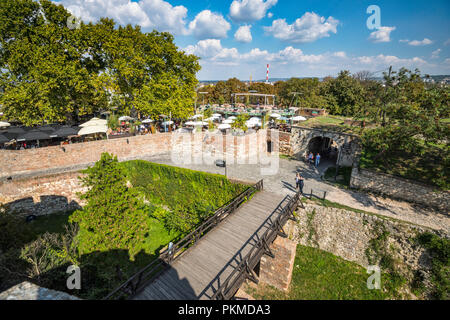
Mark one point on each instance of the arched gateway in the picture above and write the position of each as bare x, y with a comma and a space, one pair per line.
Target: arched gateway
343, 148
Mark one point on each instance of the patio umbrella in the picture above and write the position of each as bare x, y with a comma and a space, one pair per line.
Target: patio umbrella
232, 118
250, 124
92, 129
283, 118
125, 118
64, 132
224, 126
228, 121
4, 124
275, 115
217, 115
3, 139
200, 123
167, 123
33, 135
190, 123
94, 122
254, 119
147, 121
298, 118
197, 116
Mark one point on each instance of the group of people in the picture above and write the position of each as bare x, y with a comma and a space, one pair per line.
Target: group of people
315, 161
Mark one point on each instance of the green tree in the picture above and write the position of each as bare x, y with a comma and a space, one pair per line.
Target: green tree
114, 215
240, 122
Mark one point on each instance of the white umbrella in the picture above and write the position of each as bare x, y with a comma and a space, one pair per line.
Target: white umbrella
250, 124
125, 118
232, 117
228, 121
167, 123
200, 123
298, 118
190, 123
224, 126
197, 116
147, 121
4, 124
210, 119
217, 115
254, 119
94, 122
275, 115
92, 129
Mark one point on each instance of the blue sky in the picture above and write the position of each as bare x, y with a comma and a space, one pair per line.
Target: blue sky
297, 38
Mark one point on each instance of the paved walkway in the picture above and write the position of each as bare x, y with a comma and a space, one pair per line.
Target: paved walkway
284, 183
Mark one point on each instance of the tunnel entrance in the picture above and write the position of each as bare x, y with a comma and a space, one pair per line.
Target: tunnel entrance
326, 147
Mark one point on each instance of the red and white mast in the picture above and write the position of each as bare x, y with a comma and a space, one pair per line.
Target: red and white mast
267, 74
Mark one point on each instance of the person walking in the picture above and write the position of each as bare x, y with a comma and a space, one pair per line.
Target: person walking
300, 182
311, 158
317, 160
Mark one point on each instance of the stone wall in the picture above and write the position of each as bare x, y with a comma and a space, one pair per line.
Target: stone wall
400, 188
198, 148
42, 195
29, 291
347, 234
348, 145
44, 181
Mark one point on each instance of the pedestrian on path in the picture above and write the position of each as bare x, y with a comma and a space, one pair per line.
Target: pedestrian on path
299, 182
317, 159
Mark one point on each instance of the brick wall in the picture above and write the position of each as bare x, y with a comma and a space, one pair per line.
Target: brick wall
44, 181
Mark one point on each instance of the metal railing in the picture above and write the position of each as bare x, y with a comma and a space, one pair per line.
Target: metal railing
150, 272
245, 269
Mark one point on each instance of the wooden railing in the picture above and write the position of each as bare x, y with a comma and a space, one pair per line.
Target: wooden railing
146, 275
245, 269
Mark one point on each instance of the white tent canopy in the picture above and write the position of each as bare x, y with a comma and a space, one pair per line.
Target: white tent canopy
125, 118
94, 122
224, 126
92, 129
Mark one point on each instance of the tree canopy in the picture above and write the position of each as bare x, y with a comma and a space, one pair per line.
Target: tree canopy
52, 73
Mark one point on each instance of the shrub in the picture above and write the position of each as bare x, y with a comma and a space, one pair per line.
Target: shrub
114, 216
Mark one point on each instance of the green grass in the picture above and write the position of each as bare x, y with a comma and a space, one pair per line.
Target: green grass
429, 164
319, 275
53, 223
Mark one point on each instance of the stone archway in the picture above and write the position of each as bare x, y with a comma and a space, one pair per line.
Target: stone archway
326, 147
348, 145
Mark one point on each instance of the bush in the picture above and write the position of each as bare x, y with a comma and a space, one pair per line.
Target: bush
114, 216
191, 196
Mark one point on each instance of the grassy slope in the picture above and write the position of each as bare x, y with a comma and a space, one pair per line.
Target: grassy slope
319, 275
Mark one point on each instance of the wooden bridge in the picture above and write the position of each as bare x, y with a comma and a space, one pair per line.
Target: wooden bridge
214, 260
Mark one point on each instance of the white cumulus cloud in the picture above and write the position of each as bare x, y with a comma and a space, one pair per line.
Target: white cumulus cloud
250, 10
149, 14
308, 28
243, 34
435, 54
208, 24
423, 42
382, 34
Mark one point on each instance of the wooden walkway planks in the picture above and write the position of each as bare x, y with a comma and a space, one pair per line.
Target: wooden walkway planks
199, 271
